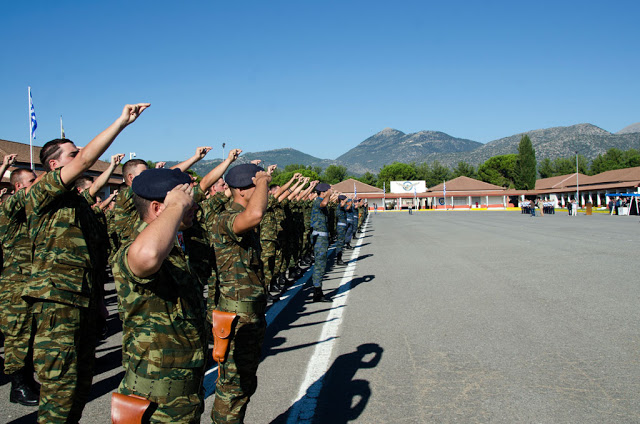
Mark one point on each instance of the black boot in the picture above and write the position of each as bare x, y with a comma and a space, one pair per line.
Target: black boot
272, 298
21, 392
339, 259
348, 246
318, 295
274, 286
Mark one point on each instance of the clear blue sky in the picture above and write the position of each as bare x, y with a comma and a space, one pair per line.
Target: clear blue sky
317, 76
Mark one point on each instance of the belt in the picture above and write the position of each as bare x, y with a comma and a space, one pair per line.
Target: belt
161, 388
245, 307
320, 233
342, 224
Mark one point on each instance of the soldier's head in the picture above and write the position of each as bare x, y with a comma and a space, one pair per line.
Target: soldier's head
132, 168
150, 189
240, 181
273, 188
218, 187
83, 183
22, 178
323, 190
57, 153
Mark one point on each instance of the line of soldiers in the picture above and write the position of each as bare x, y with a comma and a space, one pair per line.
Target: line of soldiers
168, 242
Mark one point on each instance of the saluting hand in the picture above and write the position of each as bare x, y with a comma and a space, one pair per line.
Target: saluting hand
9, 159
116, 159
131, 112
202, 151
271, 168
233, 154
181, 197
256, 161
260, 177
160, 165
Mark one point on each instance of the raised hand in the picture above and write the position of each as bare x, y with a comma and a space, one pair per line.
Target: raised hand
271, 168
202, 151
160, 165
233, 154
256, 161
9, 159
116, 159
131, 112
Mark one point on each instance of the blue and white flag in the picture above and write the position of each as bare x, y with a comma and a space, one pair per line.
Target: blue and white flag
33, 124
444, 192
384, 187
355, 191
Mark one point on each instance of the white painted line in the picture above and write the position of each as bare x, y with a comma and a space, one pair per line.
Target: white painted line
304, 405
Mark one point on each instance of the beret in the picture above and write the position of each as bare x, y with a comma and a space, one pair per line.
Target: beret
242, 175
342, 197
153, 184
322, 187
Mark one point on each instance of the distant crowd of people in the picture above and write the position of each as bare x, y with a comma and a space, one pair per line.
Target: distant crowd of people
191, 261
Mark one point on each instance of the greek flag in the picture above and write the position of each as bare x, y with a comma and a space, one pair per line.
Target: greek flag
384, 187
444, 192
355, 191
33, 124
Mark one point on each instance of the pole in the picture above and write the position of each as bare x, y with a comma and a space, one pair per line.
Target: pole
30, 129
577, 185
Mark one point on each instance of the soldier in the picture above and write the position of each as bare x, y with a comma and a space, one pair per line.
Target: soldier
15, 314
242, 289
341, 217
62, 291
164, 332
320, 237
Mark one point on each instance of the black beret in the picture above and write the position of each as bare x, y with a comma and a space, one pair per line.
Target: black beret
322, 187
242, 175
342, 197
153, 184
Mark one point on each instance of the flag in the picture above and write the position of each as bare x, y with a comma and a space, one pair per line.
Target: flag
384, 187
33, 124
61, 128
355, 191
444, 192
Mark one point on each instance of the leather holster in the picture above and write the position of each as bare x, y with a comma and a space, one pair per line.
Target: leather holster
222, 323
128, 409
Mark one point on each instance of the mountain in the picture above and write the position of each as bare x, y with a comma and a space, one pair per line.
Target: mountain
633, 128
391, 145
282, 157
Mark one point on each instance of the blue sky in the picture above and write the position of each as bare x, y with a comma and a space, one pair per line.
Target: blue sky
317, 76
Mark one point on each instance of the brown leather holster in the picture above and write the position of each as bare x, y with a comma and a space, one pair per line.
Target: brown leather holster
128, 409
222, 323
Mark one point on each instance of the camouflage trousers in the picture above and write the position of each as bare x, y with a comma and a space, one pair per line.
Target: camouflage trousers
16, 323
237, 379
268, 257
349, 234
342, 232
320, 249
63, 356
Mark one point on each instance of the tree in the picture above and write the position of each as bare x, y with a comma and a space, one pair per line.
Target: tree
437, 174
464, 169
525, 176
368, 178
286, 176
396, 172
499, 170
334, 174
615, 159
546, 168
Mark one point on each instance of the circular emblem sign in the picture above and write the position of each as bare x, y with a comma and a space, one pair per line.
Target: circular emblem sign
407, 185
441, 201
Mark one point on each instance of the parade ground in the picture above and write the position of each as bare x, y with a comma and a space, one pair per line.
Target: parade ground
439, 317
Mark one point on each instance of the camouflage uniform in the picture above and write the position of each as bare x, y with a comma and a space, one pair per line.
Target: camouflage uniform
66, 268
269, 241
341, 227
241, 291
350, 223
281, 217
124, 219
306, 237
15, 314
163, 333
321, 236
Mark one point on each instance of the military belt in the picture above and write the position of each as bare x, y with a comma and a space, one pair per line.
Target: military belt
320, 233
161, 388
342, 224
246, 307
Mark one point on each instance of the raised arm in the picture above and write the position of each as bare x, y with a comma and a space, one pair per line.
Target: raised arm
201, 152
7, 161
217, 172
102, 205
286, 186
88, 155
298, 188
257, 205
152, 246
103, 179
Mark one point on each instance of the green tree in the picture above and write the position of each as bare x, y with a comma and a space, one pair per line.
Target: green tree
499, 170
525, 176
334, 174
396, 172
437, 174
368, 178
615, 159
464, 169
546, 168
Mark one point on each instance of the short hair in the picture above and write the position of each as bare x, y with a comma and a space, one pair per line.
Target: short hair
142, 205
16, 175
51, 150
81, 181
127, 168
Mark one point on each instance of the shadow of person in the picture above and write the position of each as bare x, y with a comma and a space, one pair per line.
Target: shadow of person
337, 397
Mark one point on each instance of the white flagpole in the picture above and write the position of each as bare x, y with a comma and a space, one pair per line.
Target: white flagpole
30, 130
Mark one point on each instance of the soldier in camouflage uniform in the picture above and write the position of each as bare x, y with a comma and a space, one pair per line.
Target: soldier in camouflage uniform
320, 236
164, 340
65, 268
341, 227
16, 318
242, 289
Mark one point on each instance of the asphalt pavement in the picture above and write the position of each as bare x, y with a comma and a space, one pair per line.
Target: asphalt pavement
447, 317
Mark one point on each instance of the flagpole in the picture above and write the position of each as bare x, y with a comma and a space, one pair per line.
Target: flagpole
30, 129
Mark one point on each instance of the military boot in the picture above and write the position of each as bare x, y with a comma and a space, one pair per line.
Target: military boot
21, 391
318, 295
339, 259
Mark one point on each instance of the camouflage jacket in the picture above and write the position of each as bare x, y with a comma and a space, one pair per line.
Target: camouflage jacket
124, 220
163, 316
269, 224
66, 243
238, 259
318, 216
15, 239
341, 214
